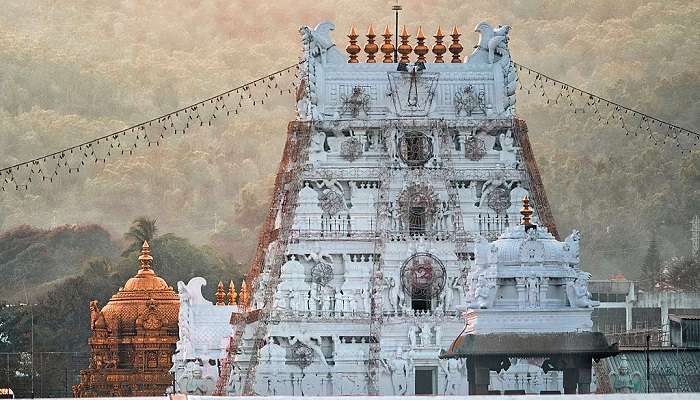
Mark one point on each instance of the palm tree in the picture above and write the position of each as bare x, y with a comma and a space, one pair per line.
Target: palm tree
142, 228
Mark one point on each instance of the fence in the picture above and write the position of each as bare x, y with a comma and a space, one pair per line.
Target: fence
43, 374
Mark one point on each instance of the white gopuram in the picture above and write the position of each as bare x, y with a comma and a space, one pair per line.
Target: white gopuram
391, 174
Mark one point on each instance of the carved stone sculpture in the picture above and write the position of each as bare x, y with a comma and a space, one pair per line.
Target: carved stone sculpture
194, 383
577, 292
624, 380
483, 292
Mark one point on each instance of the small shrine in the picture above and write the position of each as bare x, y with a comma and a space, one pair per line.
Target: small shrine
133, 338
528, 301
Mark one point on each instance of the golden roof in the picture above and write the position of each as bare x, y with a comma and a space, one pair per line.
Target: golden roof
145, 278
142, 294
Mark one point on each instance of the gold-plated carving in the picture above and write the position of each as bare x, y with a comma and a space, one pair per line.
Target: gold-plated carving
526, 212
387, 47
353, 49
220, 294
404, 48
421, 49
231, 293
133, 338
439, 48
371, 48
456, 47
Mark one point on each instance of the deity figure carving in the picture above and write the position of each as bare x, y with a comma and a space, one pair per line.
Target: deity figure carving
398, 368
454, 371
447, 295
508, 155
396, 295
425, 334
438, 334
468, 195
483, 292
193, 381
573, 242
533, 291
412, 335
577, 292
624, 380
235, 381
326, 298
184, 345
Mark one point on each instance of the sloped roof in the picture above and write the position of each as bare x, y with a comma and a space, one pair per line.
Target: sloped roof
671, 370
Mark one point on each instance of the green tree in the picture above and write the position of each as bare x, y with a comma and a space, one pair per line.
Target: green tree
142, 228
682, 273
651, 267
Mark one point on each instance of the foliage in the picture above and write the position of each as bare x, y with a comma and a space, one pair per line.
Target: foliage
141, 229
70, 75
32, 259
682, 274
651, 267
58, 319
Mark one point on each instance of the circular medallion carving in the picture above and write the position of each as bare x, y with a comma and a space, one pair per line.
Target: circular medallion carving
474, 148
322, 273
415, 149
351, 149
423, 275
302, 355
331, 202
418, 196
498, 200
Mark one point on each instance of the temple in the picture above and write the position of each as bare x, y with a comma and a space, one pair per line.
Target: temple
398, 175
133, 338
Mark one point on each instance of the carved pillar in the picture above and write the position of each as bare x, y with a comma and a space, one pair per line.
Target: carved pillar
478, 375
570, 380
522, 297
584, 378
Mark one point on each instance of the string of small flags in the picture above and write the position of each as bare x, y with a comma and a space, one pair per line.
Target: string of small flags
605, 111
151, 133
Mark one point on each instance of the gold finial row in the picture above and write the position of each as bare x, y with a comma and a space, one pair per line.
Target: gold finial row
223, 298
404, 49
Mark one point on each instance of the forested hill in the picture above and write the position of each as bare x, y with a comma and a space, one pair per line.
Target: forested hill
32, 259
69, 266
69, 74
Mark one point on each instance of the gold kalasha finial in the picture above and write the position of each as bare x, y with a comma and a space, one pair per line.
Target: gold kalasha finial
220, 294
388, 47
371, 48
231, 293
145, 258
353, 48
243, 296
439, 49
526, 212
404, 48
456, 47
421, 49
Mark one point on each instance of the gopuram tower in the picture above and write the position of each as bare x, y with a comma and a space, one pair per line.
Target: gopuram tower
396, 166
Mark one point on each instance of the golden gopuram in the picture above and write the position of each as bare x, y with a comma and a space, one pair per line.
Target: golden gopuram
133, 338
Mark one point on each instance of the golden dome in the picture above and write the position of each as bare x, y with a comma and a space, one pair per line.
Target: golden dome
145, 295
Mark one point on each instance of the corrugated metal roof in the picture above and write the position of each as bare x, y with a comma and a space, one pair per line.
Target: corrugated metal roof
670, 370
